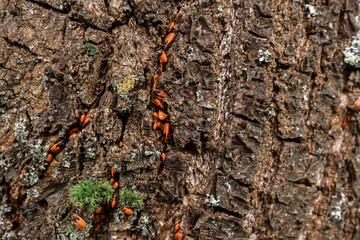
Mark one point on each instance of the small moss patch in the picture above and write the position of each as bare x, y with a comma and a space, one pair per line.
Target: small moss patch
90, 195
90, 49
130, 199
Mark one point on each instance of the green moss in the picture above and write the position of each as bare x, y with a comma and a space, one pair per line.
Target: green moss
90, 49
130, 199
90, 195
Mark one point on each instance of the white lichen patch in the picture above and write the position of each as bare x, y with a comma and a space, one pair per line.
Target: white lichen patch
264, 55
20, 130
212, 201
336, 213
352, 53
312, 11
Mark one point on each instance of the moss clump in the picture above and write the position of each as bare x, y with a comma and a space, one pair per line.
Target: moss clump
90, 49
130, 199
90, 195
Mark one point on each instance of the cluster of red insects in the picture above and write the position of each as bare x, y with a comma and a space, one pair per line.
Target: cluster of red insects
160, 122
158, 95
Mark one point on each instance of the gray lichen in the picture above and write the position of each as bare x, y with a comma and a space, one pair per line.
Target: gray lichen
264, 55
352, 53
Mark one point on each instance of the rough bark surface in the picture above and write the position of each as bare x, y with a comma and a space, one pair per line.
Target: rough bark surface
257, 92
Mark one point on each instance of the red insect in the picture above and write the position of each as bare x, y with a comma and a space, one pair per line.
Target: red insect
112, 172
156, 79
96, 219
166, 130
49, 158
78, 221
168, 39
15, 217
98, 210
86, 121
347, 119
121, 144
17, 205
356, 106
74, 130
171, 26
160, 68
112, 181
177, 227
159, 94
160, 115
163, 58
57, 147
178, 235
163, 157
177, 16
127, 211
116, 184
82, 119
157, 124
97, 227
157, 102
72, 135
113, 202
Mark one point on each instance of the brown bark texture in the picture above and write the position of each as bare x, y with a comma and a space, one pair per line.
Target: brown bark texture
257, 91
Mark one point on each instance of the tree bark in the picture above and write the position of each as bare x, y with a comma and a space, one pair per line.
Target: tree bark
257, 92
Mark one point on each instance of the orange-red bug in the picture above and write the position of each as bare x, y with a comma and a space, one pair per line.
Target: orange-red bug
96, 219
82, 119
163, 58
49, 158
86, 121
97, 227
157, 103
172, 24
160, 68
116, 184
177, 227
15, 217
159, 94
155, 114
156, 79
163, 157
127, 211
113, 202
347, 119
78, 221
112, 180
74, 130
112, 172
168, 39
177, 16
166, 130
157, 124
17, 205
121, 144
178, 235
99, 210
57, 147
103, 217
356, 105
72, 135
162, 115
